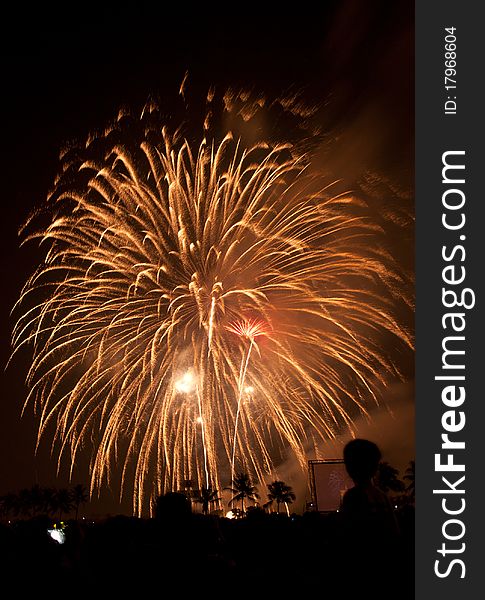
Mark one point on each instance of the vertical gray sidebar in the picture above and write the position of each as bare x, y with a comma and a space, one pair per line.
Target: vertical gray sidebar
450, 234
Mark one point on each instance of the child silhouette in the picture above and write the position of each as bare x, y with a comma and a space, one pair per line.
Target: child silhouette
369, 524
364, 502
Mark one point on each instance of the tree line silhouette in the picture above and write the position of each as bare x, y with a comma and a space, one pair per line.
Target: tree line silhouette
242, 490
317, 549
44, 501
62, 502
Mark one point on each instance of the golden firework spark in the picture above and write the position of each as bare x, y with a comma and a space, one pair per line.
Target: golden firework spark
248, 329
159, 251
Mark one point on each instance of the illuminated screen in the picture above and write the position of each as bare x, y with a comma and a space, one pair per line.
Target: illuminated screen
330, 483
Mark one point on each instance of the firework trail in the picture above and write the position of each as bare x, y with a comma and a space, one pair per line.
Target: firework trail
156, 248
187, 385
249, 330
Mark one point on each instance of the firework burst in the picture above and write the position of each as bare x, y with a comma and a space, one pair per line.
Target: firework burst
179, 275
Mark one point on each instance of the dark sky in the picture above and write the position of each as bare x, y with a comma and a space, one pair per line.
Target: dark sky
66, 74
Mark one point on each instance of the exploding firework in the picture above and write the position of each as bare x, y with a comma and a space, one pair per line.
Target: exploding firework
181, 278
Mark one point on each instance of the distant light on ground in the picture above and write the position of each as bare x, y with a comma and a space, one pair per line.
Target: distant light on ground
229, 515
57, 535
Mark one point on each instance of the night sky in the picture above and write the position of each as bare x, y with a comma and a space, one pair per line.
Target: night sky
66, 74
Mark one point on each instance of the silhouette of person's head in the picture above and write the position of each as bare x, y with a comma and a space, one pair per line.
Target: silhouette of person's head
361, 459
173, 507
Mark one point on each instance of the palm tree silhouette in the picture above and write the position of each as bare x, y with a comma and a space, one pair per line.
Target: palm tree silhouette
410, 477
36, 498
49, 503
242, 488
79, 495
281, 493
25, 503
386, 478
206, 496
9, 505
63, 502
